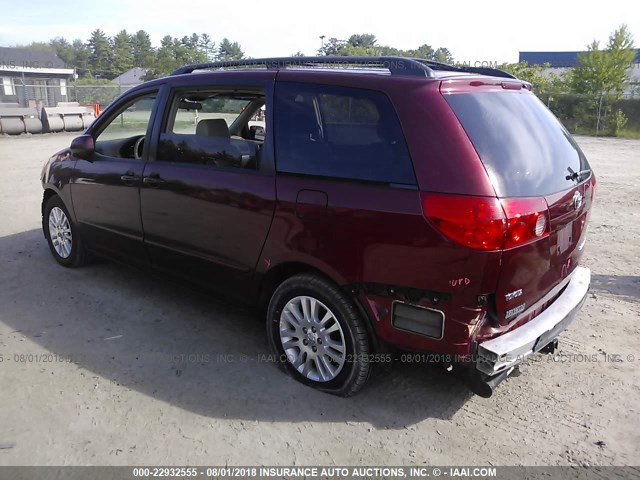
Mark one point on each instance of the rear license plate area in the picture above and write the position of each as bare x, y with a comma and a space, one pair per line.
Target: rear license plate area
564, 238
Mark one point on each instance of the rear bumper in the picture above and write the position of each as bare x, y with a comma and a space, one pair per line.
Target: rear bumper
503, 352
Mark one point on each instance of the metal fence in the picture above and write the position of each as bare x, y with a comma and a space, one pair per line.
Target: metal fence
603, 115
51, 95
100, 94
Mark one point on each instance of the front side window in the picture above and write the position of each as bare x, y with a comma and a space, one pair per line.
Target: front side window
217, 129
123, 136
340, 132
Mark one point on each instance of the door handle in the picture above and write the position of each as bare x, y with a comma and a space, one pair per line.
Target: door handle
129, 179
153, 180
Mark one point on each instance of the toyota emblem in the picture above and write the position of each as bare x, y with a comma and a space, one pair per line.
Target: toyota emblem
577, 200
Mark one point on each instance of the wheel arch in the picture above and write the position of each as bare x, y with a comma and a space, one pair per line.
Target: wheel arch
64, 194
48, 193
279, 273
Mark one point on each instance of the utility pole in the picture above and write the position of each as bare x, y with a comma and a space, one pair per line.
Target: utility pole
322, 41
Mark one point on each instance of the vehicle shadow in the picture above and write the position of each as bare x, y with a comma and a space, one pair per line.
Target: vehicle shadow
627, 287
186, 348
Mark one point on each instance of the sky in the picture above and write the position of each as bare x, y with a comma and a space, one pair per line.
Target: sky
474, 31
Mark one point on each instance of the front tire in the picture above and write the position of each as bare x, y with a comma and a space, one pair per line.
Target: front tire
62, 235
318, 335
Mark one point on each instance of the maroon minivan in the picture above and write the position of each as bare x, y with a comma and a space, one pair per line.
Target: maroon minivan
365, 205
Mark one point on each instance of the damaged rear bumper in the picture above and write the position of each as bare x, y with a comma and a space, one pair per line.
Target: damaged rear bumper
500, 354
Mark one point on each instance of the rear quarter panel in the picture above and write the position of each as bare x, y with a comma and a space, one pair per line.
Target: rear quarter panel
375, 243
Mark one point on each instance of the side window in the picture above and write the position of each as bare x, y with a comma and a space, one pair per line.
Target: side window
218, 129
339, 132
123, 137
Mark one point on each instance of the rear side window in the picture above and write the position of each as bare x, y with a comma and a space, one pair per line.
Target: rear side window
339, 132
525, 149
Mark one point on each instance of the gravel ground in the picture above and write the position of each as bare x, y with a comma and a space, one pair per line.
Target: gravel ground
106, 365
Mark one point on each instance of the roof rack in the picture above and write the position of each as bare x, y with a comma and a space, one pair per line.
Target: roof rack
396, 65
494, 72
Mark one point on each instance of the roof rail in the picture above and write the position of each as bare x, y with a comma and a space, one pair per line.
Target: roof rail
494, 72
395, 65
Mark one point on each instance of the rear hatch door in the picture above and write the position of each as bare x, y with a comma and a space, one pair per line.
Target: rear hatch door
536, 168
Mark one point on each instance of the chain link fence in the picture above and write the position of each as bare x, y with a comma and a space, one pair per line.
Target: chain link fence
599, 115
92, 94
28, 94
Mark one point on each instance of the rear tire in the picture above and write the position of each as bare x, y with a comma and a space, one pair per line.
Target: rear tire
318, 335
62, 235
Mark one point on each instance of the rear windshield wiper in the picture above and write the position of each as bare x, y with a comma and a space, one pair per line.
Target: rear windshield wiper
576, 175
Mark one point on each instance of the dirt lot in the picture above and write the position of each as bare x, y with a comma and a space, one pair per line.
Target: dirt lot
159, 374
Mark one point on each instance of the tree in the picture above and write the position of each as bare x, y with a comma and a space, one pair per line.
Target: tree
194, 41
605, 71
99, 54
603, 75
42, 46
206, 44
143, 53
333, 46
187, 50
423, 51
181, 51
443, 55
81, 58
543, 83
366, 45
365, 40
165, 59
122, 49
358, 44
63, 49
229, 51
427, 52
174, 53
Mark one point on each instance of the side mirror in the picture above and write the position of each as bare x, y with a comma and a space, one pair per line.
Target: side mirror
82, 146
256, 132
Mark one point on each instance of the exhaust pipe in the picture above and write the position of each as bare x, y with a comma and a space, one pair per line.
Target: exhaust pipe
484, 386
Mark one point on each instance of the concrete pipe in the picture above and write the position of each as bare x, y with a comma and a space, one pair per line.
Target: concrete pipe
55, 123
33, 125
12, 125
72, 123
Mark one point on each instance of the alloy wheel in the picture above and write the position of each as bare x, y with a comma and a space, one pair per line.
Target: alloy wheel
312, 339
60, 232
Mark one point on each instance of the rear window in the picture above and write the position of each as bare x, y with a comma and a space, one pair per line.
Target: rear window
525, 149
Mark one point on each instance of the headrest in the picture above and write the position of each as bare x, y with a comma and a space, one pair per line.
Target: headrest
213, 127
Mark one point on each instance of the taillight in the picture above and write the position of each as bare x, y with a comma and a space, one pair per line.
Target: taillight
487, 223
527, 220
475, 222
